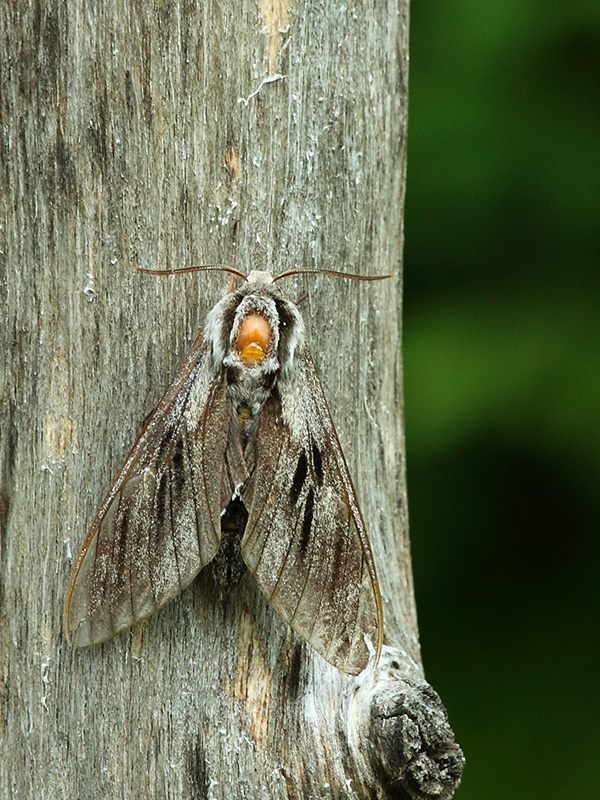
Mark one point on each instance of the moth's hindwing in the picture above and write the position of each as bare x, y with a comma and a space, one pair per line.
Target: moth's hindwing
305, 540
160, 522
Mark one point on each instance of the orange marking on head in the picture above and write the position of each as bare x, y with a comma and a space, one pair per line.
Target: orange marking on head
253, 339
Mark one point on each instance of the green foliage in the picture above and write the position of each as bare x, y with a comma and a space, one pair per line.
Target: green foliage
502, 381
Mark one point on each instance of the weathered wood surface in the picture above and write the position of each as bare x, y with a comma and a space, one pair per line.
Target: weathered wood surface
164, 135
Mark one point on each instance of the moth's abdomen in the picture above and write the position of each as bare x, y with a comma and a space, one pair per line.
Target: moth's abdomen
227, 565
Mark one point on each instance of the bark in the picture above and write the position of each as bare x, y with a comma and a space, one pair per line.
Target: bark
164, 135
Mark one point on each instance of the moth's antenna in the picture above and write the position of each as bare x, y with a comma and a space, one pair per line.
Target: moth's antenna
332, 272
178, 271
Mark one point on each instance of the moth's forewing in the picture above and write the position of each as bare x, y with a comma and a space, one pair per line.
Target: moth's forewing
160, 522
305, 539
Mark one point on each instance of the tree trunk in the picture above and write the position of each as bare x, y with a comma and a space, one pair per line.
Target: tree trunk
162, 136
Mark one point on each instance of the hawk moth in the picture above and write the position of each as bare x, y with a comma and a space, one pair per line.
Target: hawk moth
244, 426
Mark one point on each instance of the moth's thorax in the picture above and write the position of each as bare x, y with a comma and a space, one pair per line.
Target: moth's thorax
253, 334
253, 339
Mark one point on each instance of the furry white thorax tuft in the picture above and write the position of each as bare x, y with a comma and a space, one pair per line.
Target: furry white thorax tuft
258, 276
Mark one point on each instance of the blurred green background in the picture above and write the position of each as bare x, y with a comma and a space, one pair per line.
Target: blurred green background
502, 381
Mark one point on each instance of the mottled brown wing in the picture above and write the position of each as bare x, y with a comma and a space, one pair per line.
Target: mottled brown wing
305, 540
160, 522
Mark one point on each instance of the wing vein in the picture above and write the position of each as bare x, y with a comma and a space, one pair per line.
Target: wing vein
193, 492
283, 563
172, 526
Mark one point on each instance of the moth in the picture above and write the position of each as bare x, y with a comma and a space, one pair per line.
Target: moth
240, 448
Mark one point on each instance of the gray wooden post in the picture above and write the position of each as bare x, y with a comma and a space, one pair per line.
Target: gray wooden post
165, 135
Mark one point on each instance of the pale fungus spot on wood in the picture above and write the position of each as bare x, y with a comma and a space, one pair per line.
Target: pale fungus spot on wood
232, 160
58, 436
276, 19
253, 682
59, 432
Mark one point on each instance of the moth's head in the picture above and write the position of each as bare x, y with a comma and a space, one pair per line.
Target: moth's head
258, 276
255, 328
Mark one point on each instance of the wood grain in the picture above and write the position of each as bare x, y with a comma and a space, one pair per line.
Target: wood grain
164, 135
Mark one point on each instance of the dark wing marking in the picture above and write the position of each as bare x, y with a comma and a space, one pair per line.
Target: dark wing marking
305, 540
160, 522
